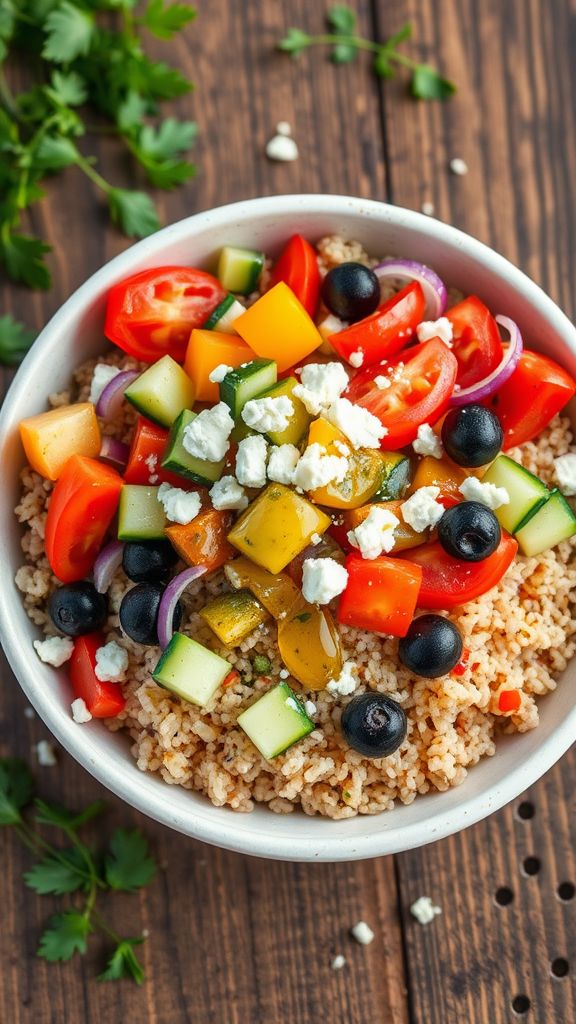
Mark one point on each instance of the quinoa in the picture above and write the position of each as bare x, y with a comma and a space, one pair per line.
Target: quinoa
520, 635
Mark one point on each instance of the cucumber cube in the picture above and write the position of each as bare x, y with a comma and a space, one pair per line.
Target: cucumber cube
527, 493
162, 391
246, 382
276, 721
299, 420
140, 515
239, 269
190, 670
553, 522
179, 461
232, 617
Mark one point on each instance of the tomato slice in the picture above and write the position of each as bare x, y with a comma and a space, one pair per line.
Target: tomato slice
535, 392
477, 344
380, 595
103, 700
387, 330
419, 392
146, 453
82, 506
448, 582
151, 314
298, 268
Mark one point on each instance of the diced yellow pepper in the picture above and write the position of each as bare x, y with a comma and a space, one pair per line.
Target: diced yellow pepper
276, 527
300, 418
207, 350
309, 645
365, 469
277, 593
278, 327
404, 536
50, 438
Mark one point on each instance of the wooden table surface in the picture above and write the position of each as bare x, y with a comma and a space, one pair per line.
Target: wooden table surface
240, 941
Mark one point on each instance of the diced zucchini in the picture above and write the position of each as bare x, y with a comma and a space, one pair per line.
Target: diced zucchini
245, 382
276, 721
223, 317
527, 492
299, 420
179, 461
396, 473
190, 670
276, 527
162, 391
551, 523
232, 617
239, 269
140, 515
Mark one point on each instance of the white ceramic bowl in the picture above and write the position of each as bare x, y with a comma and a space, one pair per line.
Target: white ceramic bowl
75, 333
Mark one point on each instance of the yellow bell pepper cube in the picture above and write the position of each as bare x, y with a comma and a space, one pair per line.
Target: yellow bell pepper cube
207, 350
365, 469
277, 527
278, 327
50, 438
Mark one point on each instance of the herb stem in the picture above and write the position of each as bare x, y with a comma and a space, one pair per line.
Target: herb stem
92, 173
331, 39
7, 100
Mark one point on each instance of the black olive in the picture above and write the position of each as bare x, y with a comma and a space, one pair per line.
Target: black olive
139, 613
148, 561
469, 531
373, 724
431, 647
472, 435
77, 608
351, 291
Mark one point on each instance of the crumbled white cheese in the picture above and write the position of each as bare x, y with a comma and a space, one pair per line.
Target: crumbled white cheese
180, 506
102, 376
346, 682
315, 539
316, 468
151, 463
111, 663
362, 429
441, 328
291, 703
428, 208
323, 579
565, 470
206, 437
219, 372
310, 708
382, 382
284, 673
265, 414
458, 166
226, 493
284, 128
341, 447
363, 933
338, 962
46, 754
283, 148
55, 650
282, 463
427, 442
424, 910
80, 712
356, 358
331, 325
490, 495
422, 510
320, 385
251, 461
375, 534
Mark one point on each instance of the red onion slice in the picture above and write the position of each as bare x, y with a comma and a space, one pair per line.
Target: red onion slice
110, 402
106, 564
170, 599
486, 387
115, 452
409, 270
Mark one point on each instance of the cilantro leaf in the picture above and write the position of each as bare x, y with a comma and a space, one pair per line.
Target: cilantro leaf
168, 174
67, 873
128, 864
156, 79
66, 935
69, 33
341, 19
295, 42
133, 212
171, 138
343, 53
22, 256
16, 788
131, 111
54, 152
54, 814
68, 89
428, 84
124, 963
15, 340
163, 21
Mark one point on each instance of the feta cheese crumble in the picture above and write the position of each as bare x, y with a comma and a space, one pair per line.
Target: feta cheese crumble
206, 437
46, 754
111, 663
362, 933
55, 650
251, 462
219, 372
422, 510
323, 579
151, 463
226, 493
338, 962
362, 429
102, 376
283, 148
427, 442
316, 468
375, 534
441, 328
341, 447
284, 673
346, 682
320, 385
490, 495
80, 712
310, 708
282, 463
424, 910
356, 358
265, 414
565, 470
180, 506
315, 539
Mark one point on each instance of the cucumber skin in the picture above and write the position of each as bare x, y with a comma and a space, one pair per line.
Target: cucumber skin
172, 461
228, 274
237, 380
282, 692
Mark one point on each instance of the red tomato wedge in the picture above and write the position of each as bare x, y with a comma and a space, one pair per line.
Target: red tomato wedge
419, 391
387, 330
82, 506
298, 268
103, 700
146, 453
152, 313
477, 344
381, 594
535, 392
448, 582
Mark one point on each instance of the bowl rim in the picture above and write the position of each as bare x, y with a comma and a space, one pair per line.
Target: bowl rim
132, 787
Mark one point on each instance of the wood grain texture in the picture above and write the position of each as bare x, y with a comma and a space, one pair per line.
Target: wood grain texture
235, 940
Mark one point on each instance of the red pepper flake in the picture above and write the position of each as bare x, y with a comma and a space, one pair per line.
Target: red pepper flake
509, 701
462, 665
231, 678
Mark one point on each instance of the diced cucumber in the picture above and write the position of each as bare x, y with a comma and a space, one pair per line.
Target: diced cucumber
396, 474
299, 420
179, 461
223, 317
245, 382
162, 391
553, 522
140, 515
239, 269
527, 492
276, 721
190, 670
232, 617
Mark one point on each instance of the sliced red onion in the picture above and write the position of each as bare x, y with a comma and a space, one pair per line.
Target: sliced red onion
486, 387
170, 599
110, 402
409, 270
106, 564
115, 452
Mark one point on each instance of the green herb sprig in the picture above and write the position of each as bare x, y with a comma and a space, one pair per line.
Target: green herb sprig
426, 83
123, 865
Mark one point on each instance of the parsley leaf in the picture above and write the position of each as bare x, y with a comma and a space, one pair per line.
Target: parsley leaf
428, 84
157, 80
66, 873
54, 152
124, 963
69, 31
164, 21
133, 212
170, 139
16, 789
22, 255
70, 821
341, 19
68, 89
15, 340
128, 864
295, 42
131, 111
66, 935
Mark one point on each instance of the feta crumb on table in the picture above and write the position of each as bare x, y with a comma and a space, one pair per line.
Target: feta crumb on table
338, 962
346, 682
362, 429
565, 471
316, 469
80, 712
375, 534
219, 372
320, 385
441, 328
206, 437
46, 754
180, 506
356, 358
362, 933
428, 208
251, 461
284, 128
424, 910
227, 493
323, 579
490, 495
111, 663
29, 713
282, 147
103, 374
422, 510
427, 442
55, 650
458, 166
265, 414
